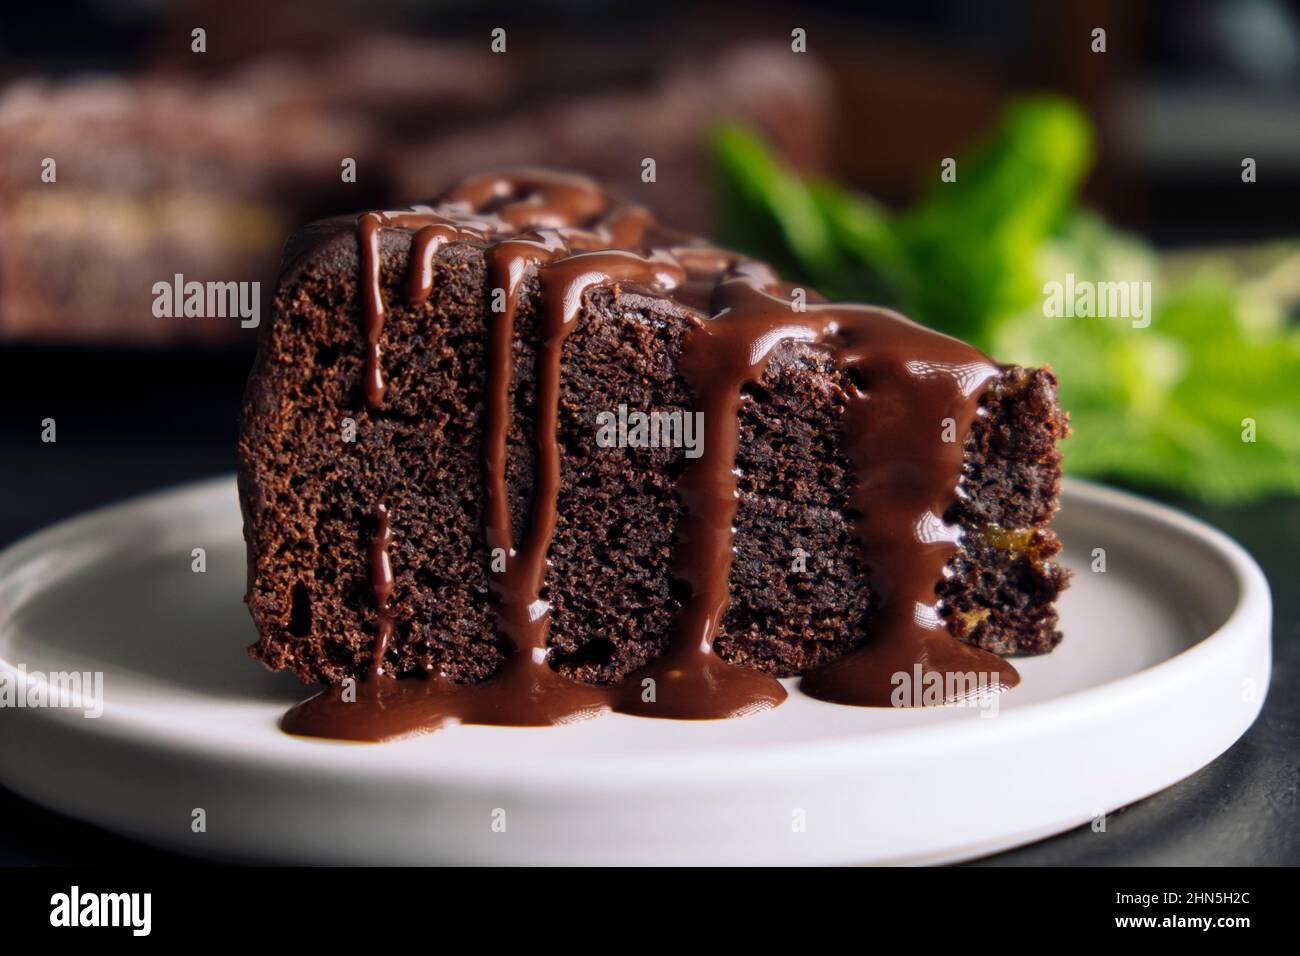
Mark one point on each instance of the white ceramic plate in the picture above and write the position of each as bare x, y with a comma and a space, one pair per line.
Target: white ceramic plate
1163, 667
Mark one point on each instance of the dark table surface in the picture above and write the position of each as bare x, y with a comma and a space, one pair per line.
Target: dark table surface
131, 422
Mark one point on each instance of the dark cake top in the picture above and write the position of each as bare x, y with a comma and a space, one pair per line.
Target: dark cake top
914, 396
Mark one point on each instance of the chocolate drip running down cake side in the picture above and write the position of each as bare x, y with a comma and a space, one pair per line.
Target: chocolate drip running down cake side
430, 508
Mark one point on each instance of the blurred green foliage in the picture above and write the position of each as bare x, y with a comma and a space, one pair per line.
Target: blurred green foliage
1166, 405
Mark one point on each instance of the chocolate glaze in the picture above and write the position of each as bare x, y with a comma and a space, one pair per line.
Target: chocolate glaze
381, 583
912, 387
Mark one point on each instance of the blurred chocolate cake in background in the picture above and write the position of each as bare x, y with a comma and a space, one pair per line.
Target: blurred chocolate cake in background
667, 117
167, 173
151, 179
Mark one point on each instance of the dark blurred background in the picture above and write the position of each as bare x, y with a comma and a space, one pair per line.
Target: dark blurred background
171, 161
1182, 85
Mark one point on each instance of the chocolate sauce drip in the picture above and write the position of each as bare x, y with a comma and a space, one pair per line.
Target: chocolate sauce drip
381, 583
533, 198
435, 231
368, 227
911, 388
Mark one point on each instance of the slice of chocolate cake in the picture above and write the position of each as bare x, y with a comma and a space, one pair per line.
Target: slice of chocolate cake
525, 455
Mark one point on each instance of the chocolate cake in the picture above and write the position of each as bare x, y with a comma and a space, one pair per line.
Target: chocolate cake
664, 113
524, 455
152, 179
171, 173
